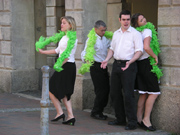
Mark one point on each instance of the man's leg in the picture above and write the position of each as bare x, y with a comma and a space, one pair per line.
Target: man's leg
100, 80
117, 96
128, 81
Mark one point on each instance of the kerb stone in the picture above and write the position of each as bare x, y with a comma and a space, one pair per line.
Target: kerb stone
50, 3
168, 16
8, 62
7, 5
6, 47
175, 36
175, 2
50, 11
164, 35
164, 2
1, 60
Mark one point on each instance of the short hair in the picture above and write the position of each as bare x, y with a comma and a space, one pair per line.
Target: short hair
71, 21
99, 23
124, 12
134, 20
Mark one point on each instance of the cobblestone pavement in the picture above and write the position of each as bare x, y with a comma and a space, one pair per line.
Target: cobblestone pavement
20, 115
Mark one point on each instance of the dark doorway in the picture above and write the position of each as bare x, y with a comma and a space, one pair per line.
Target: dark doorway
149, 8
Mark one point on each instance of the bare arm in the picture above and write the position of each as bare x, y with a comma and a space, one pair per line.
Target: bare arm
136, 56
65, 61
51, 52
108, 57
148, 49
83, 53
47, 51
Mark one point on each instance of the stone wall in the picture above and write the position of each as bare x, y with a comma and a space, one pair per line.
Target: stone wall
54, 10
166, 113
5, 44
17, 55
86, 13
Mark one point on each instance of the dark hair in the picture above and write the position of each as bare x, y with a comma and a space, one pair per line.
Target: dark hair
134, 20
99, 23
124, 12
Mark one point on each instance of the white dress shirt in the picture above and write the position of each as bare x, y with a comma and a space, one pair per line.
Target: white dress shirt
145, 33
125, 44
62, 45
101, 48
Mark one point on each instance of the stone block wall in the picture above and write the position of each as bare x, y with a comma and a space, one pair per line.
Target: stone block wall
54, 10
5, 35
75, 9
166, 113
5, 45
85, 14
17, 55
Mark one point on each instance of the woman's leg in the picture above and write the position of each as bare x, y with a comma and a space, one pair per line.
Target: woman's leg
140, 107
148, 108
57, 104
68, 106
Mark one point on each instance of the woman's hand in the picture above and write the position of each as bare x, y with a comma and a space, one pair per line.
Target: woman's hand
47, 51
41, 51
156, 59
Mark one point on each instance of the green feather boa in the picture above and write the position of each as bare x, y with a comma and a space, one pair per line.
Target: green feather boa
154, 46
56, 38
90, 51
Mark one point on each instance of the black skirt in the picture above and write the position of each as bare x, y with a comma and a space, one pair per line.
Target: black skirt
61, 84
146, 81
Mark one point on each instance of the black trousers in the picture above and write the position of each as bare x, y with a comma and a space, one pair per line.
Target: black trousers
122, 92
100, 79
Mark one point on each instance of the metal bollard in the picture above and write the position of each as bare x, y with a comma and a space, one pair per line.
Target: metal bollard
44, 124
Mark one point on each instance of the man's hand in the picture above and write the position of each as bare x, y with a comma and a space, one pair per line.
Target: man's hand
127, 65
104, 64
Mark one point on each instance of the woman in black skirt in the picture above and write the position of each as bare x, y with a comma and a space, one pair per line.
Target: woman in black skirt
61, 84
146, 82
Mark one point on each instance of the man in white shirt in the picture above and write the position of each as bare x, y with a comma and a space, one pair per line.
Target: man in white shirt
99, 76
126, 48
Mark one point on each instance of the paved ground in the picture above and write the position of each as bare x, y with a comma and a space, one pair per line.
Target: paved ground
20, 115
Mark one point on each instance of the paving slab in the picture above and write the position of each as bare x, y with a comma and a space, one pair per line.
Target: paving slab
20, 115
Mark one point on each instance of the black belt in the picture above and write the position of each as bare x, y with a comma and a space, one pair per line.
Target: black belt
120, 61
97, 62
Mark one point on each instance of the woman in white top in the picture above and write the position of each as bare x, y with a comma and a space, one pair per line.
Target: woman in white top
146, 81
61, 84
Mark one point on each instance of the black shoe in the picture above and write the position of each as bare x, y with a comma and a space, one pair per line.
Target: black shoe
115, 122
139, 124
59, 117
70, 122
99, 116
102, 115
130, 127
150, 128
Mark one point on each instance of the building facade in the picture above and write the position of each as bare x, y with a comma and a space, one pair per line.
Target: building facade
23, 22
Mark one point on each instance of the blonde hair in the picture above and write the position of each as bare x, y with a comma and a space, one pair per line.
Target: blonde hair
71, 21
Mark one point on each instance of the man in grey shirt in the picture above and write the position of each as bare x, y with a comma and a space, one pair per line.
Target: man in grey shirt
99, 76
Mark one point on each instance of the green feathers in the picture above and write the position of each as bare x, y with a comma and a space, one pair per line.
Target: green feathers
154, 46
90, 51
56, 38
